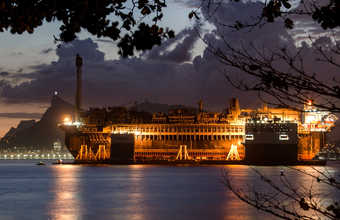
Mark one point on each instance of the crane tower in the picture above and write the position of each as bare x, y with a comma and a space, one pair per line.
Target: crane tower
79, 64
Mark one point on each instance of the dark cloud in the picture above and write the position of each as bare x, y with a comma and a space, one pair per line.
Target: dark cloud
3, 83
168, 73
4, 73
21, 115
20, 75
17, 53
113, 82
47, 50
305, 26
87, 48
267, 39
183, 47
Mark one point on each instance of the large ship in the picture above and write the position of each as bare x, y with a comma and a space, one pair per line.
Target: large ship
277, 135
205, 135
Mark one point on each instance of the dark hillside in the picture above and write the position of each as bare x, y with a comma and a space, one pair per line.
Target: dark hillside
44, 132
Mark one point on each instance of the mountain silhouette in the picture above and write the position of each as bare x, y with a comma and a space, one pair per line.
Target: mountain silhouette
24, 124
41, 134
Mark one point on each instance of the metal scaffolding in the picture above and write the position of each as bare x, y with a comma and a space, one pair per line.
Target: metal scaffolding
101, 153
85, 154
233, 153
182, 150
78, 104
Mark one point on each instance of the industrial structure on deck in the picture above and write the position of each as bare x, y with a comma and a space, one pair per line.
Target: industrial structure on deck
117, 134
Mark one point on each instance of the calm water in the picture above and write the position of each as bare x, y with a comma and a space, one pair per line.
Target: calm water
145, 192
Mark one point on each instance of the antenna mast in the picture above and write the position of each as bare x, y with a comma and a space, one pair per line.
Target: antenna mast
79, 64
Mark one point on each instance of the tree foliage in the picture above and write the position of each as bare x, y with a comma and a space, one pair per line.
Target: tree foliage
291, 200
21, 16
326, 13
289, 83
282, 73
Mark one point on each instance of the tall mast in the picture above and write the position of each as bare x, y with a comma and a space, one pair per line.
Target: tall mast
79, 64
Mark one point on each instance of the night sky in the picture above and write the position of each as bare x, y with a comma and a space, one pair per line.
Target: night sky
180, 71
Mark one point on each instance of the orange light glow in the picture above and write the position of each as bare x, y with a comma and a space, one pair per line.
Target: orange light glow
67, 119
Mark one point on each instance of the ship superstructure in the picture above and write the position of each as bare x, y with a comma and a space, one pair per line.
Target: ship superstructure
271, 140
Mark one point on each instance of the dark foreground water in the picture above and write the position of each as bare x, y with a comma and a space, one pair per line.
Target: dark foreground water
145, 192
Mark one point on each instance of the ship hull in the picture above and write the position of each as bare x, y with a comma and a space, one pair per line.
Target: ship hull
271, 154
199, 151
265, 143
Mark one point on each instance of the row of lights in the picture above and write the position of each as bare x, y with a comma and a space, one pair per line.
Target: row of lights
12, 156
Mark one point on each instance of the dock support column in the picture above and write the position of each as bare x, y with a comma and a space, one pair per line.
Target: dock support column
101, 154
82, 153
233, 153
182, 149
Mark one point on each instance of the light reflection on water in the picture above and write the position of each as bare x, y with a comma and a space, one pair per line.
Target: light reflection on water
133, 191
66, 202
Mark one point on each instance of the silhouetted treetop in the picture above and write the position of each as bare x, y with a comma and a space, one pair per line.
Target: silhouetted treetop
92, 15
327, 13
282, 72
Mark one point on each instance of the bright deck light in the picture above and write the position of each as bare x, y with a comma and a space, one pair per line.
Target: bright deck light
67, 119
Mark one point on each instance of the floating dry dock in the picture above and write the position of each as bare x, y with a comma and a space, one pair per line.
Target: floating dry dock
266, 136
